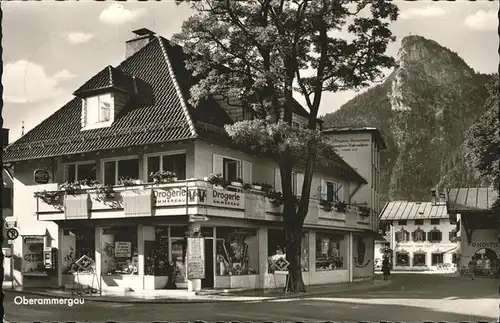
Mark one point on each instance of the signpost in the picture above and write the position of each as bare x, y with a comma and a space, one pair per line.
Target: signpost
12, 234
197, 218
280, 267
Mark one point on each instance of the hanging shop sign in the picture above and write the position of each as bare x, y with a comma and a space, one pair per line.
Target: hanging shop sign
123, 249
195, 258
226, 199
41, 176
176, 196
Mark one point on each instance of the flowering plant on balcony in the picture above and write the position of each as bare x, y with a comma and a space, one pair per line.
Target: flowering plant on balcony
217, 179
128, 181
247, 186
105, 192
163, 176
265, 187
70, 187
276, 198
340, 207
50, 198
87, 182
256, 186
326, 205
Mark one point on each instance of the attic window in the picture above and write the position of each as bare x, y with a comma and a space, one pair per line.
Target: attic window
97, 111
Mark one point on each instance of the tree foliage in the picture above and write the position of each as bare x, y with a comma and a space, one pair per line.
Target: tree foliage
261, 52
483, 139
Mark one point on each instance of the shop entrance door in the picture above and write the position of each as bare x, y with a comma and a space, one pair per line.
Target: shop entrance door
208, 282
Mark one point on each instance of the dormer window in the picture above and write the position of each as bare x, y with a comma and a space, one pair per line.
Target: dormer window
97, 111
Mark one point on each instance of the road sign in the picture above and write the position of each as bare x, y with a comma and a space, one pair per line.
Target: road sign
12, 234
197, 218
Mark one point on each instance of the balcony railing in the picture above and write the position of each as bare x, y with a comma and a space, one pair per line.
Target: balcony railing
149, 199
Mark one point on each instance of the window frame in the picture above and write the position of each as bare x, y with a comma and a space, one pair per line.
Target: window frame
402, 222
160, 154
435, 231
116, 160
86, 162
98, 123
239, 169
436, 254
433, 221
420, 221
341, 190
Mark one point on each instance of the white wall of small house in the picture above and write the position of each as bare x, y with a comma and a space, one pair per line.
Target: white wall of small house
411, 246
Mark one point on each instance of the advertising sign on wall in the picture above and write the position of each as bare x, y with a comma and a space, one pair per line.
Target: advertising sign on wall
123, 249
196, 258
176, 196
227, 199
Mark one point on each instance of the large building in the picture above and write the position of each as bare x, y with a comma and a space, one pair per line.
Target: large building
478, 227
134, 120
421, 235
360, 147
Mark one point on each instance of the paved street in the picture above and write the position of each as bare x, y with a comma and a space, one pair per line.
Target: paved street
410, 298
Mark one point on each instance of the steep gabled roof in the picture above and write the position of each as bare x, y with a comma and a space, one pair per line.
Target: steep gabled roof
471, 199
404, 210
164, 117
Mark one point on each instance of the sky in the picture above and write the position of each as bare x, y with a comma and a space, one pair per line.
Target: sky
52, 48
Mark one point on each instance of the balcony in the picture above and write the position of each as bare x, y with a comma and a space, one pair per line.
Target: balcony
180, 198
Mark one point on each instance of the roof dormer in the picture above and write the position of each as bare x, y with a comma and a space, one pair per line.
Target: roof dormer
104, 96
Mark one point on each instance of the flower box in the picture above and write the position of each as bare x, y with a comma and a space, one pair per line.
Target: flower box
256, 187
236, 184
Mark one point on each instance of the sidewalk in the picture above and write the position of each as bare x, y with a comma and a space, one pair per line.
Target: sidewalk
178, 296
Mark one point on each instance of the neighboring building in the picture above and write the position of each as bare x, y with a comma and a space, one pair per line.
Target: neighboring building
382, 248
7, 191
132, 120
422, 237
470, 209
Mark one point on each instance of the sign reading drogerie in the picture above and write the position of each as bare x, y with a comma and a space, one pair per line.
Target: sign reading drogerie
41, 176
227, 199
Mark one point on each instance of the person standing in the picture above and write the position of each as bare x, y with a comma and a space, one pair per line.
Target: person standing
386, 268
472, 267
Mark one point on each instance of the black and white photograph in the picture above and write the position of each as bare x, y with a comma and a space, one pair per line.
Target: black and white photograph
250, 161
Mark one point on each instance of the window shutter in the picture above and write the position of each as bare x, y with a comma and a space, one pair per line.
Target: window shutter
323, 190
414, 236
217, 164
340, 191
450, 236
247, 172
277, 180
300, 182
440, 236
398, 236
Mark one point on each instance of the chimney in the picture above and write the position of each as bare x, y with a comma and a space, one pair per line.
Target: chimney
142, 37
442, 198
5, 137
433, 196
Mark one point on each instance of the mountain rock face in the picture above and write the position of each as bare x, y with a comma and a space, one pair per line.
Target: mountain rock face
423, 110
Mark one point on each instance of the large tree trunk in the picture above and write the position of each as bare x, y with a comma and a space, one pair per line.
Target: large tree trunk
293, 234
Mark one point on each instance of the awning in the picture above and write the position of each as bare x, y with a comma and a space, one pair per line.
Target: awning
35, 232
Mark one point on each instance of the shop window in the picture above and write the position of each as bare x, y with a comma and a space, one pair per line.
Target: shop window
418, 235
276, 249
116, 169
78, 172
33, 255
419, 259
168, 162
419, 222
330, 251
435, 236
119, 251
436, 258
76, 244
402, 259
402, 222
178, 245
453, 236
402, 236
435, 221
237, 251
231, 169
